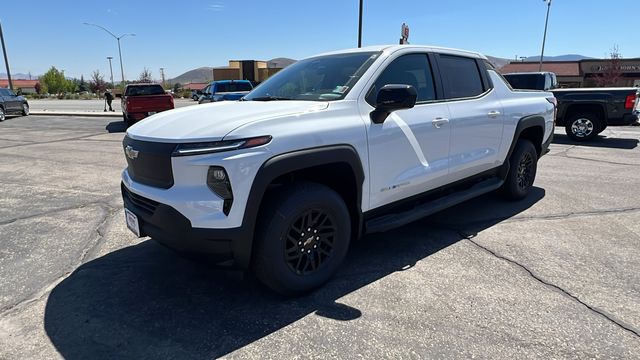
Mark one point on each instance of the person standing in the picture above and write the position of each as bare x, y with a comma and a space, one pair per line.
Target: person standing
109, 98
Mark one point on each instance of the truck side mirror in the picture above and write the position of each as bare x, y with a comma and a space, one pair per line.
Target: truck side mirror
390, 98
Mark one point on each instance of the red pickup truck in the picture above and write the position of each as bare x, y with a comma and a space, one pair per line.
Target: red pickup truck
142, 100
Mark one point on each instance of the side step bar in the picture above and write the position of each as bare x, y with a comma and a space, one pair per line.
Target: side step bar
388, 222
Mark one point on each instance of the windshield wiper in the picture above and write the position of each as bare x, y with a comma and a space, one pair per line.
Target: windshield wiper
269, 98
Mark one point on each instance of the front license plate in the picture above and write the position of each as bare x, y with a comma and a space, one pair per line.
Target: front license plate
132, 222
152, 113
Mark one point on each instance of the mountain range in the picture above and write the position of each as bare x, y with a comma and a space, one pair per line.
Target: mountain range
19, 76
568, 57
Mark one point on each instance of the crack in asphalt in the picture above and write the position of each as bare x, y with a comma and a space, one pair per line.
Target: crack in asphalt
93, 244
566, 293
565, 154
53, 211
51, 141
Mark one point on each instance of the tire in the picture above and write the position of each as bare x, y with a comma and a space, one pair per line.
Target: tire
126, 119
602, 128
2, 114
25, 109
583, 127
522, 171
288, 219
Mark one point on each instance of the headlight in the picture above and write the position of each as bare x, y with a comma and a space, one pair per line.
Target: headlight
218, 146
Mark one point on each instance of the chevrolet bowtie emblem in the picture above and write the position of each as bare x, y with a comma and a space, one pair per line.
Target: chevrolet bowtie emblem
131, 152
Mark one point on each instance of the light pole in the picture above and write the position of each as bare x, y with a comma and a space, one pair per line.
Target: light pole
110, 68
544, 38
360, 26
119, 49
6, 60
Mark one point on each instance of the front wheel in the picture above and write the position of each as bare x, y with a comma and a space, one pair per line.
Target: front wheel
2, 115
522, 171
302, 238
25, 109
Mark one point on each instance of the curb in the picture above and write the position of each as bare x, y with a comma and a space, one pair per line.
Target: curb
77, 113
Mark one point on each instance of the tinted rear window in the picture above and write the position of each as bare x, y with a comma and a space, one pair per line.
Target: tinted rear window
144, 90
526, 81
233, 87
461, 76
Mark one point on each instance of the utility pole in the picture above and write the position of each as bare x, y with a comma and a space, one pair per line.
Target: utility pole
162, 76
110, 68
360, 26
6, 59
544, 38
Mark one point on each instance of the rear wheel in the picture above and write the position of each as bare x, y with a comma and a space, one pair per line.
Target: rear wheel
522, 171
583, 127
25, 109
2, 115
302, 238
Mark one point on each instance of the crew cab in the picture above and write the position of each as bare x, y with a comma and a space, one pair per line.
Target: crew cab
585, 113
225, 90
328, 149
12, 104
142, 100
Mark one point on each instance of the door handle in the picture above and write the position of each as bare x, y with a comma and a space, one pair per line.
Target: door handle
494, 114
438, 122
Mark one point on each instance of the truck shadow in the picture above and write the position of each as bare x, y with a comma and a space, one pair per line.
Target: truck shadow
116, 127
599, 142
144, 301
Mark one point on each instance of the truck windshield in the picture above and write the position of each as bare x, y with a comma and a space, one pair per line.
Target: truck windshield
233, 87
526, 81
139, 90
323, 78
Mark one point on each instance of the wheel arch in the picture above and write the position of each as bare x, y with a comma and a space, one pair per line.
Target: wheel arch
530, 128
337, 166
585, 108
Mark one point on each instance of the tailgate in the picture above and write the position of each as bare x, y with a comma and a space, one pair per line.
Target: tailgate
149, 103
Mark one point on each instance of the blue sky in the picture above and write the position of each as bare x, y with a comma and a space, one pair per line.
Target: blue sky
181, 35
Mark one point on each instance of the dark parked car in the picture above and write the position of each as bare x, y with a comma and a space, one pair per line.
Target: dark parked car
585, 113
545, 81
12, 104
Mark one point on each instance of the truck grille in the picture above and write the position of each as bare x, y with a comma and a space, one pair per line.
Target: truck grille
149, 163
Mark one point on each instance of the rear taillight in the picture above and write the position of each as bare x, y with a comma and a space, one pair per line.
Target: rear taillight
630, 102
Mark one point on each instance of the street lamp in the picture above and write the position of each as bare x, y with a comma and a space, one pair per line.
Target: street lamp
544, 38
360, 27
119, 49
110, 68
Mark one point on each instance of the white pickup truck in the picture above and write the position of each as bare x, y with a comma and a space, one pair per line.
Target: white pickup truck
332, 147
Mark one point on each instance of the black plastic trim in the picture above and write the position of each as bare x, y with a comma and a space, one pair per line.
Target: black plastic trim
152, 166
286, 163
526, 123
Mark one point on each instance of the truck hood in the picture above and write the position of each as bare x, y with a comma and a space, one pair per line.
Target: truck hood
211, 122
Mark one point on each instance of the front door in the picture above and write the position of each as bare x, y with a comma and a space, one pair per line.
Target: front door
409, 152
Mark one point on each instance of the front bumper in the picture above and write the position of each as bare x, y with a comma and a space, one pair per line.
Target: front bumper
163, 223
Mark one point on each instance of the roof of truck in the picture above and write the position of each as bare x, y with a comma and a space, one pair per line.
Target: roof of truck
392, 48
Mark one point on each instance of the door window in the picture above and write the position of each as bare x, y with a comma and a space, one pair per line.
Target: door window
414, 70
461, 76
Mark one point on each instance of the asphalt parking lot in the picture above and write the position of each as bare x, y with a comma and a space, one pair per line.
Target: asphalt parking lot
553, 276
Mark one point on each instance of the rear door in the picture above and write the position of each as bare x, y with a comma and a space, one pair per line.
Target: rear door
409, 152
475, 115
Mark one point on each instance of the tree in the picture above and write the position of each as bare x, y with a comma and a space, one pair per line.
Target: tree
82, 85
176, 87
612, 71
97, 83
145, 76
54, 81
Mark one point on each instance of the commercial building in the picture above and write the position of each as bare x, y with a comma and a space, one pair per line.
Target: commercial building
256, 71
583, 73
26, 86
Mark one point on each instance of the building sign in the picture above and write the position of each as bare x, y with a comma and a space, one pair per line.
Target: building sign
404, 34
623, 68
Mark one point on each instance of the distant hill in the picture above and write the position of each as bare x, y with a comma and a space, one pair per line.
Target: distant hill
19, 76
280, 62
568, 57
199, 75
